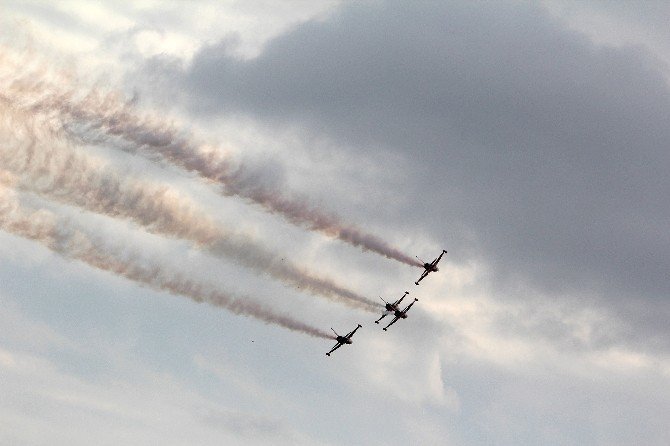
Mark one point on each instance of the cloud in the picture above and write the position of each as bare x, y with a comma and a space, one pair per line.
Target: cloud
19, 330
56, 169
618, 24
140, 407
74, 241
244, 425
525, 143
534, 155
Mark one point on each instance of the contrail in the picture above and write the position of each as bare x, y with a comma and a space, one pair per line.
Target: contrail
43, 163
110, 116
151, 136
61, 237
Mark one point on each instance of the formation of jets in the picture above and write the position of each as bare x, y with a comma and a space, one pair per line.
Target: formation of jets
398, 314
391, 308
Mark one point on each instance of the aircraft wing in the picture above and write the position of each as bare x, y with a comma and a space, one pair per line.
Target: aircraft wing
395, 319
338, 345
397, 302
408, 307
439, 257
384, 314
423, 274
351, 333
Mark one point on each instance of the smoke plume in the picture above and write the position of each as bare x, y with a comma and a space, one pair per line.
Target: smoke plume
108, 116
42, 162
61, 237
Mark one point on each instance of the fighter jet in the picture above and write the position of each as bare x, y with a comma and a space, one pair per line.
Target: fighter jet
391, 307
400, 314
341, 340
430, 267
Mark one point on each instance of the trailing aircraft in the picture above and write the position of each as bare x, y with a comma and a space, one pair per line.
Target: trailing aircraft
341, 340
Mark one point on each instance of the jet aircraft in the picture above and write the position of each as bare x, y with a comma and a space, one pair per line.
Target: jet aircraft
430, 267
391, 307
400, 314
341, 340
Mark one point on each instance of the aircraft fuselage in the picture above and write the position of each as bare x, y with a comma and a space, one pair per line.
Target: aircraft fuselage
343, 340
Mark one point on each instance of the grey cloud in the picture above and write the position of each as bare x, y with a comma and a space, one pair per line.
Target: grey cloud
550, 149
244, 425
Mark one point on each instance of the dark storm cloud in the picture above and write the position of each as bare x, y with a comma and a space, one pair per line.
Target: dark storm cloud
551, 150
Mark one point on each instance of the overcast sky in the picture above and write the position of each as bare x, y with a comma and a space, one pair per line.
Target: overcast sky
529, 139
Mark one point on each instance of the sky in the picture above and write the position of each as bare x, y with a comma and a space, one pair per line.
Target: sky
193, 193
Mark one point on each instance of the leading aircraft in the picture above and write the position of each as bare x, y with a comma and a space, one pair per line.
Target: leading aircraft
430, 267
391, 307
341, 340
400, 314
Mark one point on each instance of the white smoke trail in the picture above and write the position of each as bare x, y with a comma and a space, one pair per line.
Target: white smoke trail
151, 137
100, 116
63, 238
45, 164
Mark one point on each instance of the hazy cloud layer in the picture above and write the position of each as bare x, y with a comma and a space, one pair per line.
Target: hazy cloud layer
551, 150
536, 156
